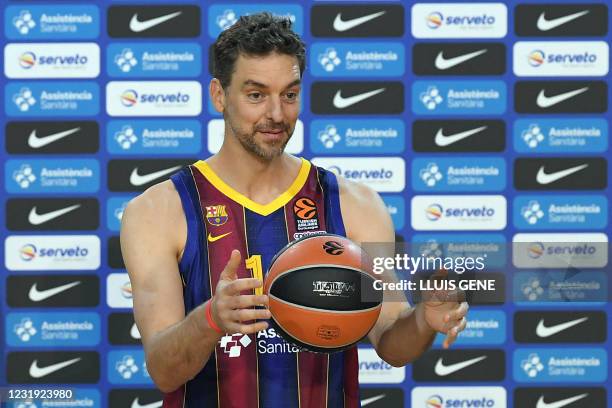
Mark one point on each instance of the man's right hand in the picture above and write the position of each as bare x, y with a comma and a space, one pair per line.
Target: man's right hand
230, 309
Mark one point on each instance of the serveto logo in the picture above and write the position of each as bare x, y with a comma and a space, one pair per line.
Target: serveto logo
579, 250
561, 58
357, 136
119, 291
561, 212
355, 59
560, 135
458, 97
52, 176
466, 20
458, 174
374, 370
52, 252
65, 22
560, 365
57, 329
447, 397
51, 98
154, 60
47, 60
458, 212
382, 174
151, 98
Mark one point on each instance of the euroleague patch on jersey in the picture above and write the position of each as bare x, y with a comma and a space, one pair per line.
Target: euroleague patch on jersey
306, 215
216, 215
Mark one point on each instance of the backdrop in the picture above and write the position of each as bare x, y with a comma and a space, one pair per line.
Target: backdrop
481, 124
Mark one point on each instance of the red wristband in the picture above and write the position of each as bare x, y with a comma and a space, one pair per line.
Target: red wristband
209, 318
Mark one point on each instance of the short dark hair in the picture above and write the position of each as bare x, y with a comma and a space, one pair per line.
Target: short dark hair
256, 34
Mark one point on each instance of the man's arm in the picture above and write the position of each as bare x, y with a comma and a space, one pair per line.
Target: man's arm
176, 347
153, 234
401, 333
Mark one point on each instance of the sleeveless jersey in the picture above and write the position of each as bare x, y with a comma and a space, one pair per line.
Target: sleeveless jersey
259, 370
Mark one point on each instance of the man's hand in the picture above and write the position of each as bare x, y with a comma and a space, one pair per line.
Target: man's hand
445, 311
230, 309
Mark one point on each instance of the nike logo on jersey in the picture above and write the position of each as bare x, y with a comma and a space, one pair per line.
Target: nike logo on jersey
212, 238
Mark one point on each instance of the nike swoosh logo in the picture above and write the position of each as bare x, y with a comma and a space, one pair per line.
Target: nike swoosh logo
443, 140
140, 180
446, 63
39, 372
370, 400
136, 404
218, 237
546, 25
560, 403
344, 25
36, 295
544, 101
36, 219
138, 26
543, 331
547, 178
341, 102
36, 142
134, 332
444, 370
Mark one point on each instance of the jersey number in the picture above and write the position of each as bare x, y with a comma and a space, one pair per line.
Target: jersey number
254, 264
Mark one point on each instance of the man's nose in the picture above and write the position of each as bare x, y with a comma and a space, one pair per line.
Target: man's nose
275, 109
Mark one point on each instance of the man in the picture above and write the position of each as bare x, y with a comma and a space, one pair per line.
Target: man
243, 204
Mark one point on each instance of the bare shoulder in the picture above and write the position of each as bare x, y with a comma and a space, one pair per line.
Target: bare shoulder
364, 212
157, 212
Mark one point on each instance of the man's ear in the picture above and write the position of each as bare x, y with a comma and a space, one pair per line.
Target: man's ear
217, 95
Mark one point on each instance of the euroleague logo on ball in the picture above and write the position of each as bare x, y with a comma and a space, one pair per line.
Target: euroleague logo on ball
333, 247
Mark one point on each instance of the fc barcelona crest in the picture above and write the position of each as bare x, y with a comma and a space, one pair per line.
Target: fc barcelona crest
216, 215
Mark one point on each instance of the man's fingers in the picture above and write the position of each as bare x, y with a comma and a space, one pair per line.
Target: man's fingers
247, 328
453, 332
245, 315
245, 301
231, 269
458, 313
240, 285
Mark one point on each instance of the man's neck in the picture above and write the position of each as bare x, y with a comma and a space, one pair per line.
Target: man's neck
260, 180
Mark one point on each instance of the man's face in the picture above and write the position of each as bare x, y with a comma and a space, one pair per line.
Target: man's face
262, 103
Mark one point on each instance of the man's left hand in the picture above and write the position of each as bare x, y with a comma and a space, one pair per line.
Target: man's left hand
445, 311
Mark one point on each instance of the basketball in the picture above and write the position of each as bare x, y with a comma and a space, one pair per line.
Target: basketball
320, 293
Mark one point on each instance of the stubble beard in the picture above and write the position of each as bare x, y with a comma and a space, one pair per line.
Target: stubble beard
264, 151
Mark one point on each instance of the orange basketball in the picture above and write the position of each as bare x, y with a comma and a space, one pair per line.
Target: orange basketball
321, 293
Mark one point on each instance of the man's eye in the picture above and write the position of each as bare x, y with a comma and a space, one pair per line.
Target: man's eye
291, 95
255, 96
